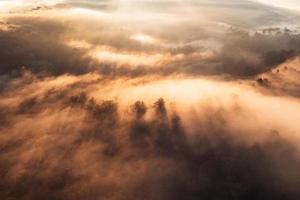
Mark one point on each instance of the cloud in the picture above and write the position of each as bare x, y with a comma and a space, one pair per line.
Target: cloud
38, 46
128, 100
50, 42
144, 149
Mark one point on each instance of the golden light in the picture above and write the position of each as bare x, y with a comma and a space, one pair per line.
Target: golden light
144, 39
79, 44
18, 2
105, 54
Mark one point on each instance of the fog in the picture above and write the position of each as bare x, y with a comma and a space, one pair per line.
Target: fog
149, 100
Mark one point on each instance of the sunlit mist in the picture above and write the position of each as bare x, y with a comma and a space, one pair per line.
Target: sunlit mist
149, 100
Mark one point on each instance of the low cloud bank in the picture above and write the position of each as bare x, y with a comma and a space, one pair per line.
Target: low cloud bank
97, 105
55, 47
59, 142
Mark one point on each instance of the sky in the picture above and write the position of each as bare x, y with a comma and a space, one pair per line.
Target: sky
290, 4
149, 99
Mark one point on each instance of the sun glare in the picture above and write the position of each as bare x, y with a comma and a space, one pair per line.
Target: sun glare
18, 2
144, 39
109, 55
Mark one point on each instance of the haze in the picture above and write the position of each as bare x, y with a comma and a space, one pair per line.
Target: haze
153, 100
